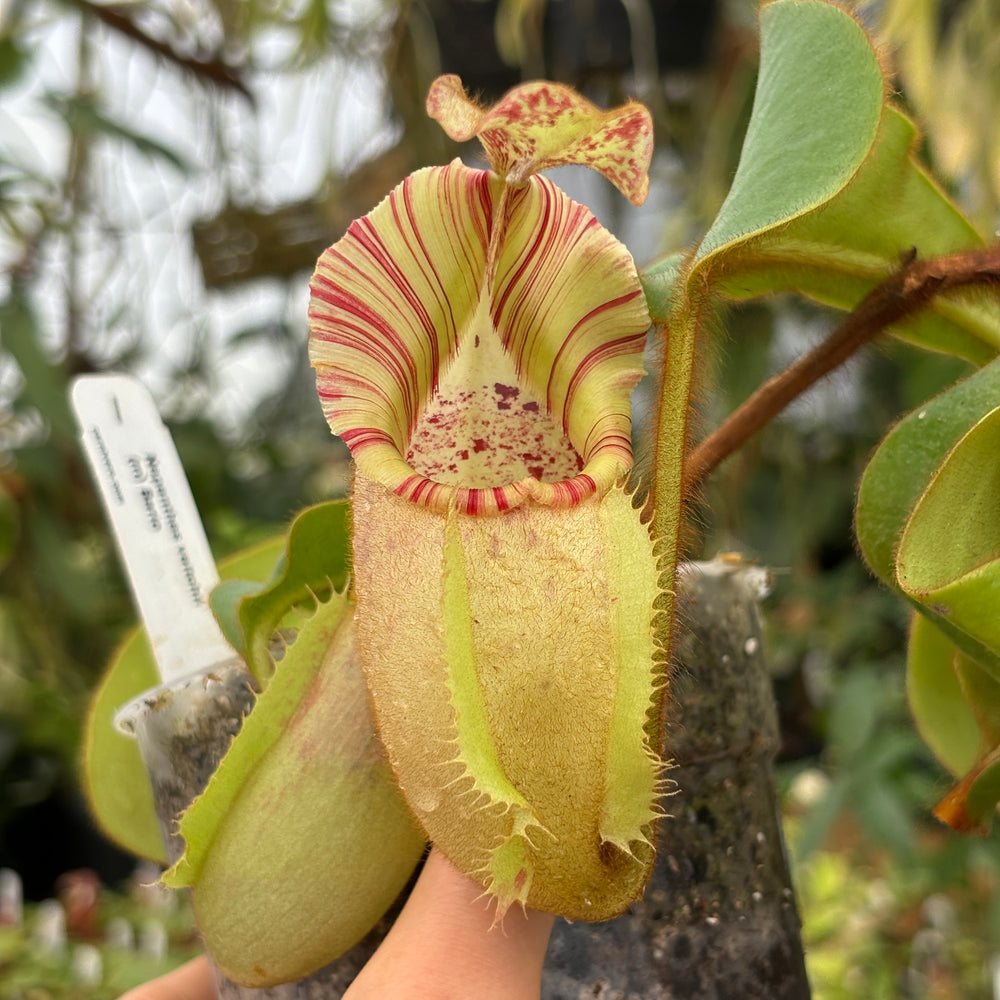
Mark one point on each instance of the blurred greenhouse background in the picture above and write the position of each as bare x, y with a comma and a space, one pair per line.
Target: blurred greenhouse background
169, 171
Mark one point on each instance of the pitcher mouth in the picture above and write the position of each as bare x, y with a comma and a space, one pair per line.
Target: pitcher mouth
480, 372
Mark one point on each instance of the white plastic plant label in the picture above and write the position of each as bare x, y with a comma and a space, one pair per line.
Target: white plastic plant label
149, 505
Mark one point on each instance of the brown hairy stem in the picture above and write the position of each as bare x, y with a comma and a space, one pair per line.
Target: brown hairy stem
904, 292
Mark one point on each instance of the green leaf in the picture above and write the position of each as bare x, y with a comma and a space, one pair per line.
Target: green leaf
258, 563
982, 690
113, 775
815, 115
905, 461
900, 472
891, 750
225, 600
842, 250
314, 563
949, 553
928, 520
942, 713
956, 706
301, 840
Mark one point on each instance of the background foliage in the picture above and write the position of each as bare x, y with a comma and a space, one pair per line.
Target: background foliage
168, 174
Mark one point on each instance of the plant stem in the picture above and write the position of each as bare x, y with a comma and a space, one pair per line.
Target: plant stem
672, 428
903, 293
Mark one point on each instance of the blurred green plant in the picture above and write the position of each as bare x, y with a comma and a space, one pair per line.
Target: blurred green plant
148, 939
880, 926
